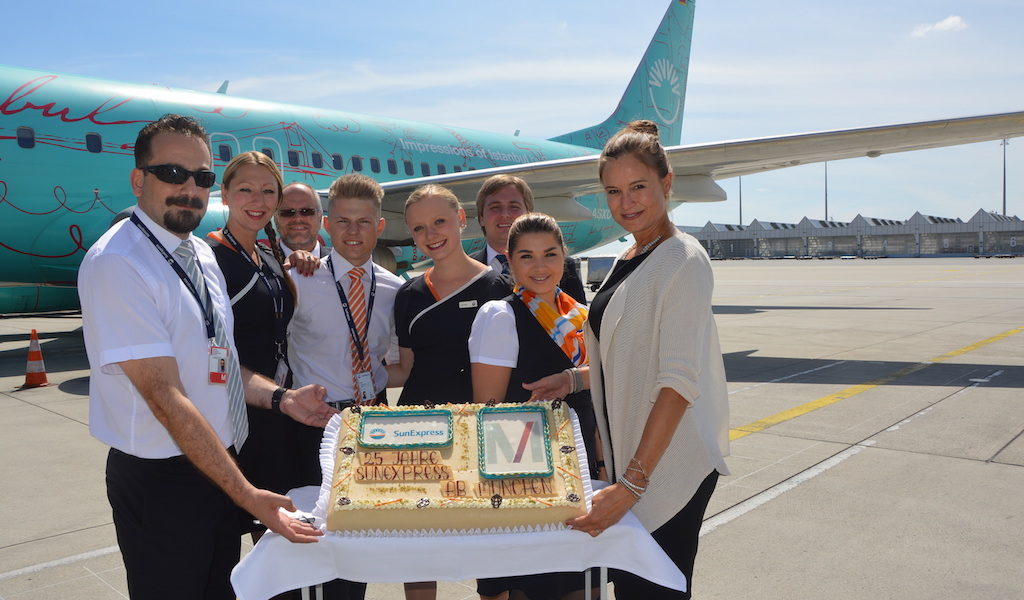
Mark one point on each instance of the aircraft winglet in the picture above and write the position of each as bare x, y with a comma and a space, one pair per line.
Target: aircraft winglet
223, 89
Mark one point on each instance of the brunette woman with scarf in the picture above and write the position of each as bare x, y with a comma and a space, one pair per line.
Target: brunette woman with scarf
534, 333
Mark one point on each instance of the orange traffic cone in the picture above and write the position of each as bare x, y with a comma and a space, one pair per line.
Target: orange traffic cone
35, 371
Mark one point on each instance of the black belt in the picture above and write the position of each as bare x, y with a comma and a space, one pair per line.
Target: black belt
382, 398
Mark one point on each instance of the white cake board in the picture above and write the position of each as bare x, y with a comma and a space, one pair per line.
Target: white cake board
276, 565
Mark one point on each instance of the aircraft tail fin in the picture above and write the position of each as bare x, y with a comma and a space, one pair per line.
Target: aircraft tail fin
658, 86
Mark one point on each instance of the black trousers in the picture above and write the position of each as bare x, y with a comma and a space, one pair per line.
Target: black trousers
177, 531
678, 538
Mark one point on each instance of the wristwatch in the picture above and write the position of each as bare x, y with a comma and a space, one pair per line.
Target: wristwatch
275, 400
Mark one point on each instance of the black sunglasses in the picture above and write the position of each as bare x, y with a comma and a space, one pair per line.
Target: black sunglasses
287, 213
177, 175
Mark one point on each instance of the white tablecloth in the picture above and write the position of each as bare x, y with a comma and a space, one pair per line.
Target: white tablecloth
276, 565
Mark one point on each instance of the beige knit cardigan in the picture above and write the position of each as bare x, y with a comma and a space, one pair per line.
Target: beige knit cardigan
658, 332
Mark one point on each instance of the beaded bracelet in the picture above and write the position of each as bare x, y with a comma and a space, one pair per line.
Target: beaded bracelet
636, 495
639, 468
636, 489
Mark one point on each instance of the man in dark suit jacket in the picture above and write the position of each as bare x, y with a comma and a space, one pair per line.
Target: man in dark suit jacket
298, 221
500, 200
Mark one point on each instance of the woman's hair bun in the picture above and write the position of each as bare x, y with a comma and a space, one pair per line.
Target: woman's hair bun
644, 126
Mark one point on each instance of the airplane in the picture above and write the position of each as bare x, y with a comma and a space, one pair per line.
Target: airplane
66, 148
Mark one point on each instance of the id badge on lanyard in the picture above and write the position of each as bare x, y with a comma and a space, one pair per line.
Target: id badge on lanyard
219, 357
281, 375
365, 392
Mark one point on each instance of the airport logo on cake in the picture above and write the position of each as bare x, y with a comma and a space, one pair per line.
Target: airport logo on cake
406, 429
514, 442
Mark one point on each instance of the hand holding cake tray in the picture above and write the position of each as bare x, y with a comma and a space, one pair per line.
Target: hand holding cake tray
450, 492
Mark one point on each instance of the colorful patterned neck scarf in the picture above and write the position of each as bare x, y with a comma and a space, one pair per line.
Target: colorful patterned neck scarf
563, 322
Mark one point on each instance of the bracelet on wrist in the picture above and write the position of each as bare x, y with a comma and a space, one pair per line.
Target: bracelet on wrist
634, 485
635, 489
572, 381
639, 468
630, 489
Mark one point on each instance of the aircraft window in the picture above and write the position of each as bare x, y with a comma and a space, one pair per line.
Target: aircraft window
425, 169
375, 164
93, 143
457, 169
268, 152
26, 137
392, 166
224, 152
440, 169
337, 162
408, 167
357, 163
293, 158
318, 160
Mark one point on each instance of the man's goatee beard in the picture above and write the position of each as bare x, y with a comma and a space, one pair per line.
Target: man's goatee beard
183, 221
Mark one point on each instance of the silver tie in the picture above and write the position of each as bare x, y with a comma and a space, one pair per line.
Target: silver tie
236, 396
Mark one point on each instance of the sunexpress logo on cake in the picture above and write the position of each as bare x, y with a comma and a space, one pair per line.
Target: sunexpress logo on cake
407, 429
513, 442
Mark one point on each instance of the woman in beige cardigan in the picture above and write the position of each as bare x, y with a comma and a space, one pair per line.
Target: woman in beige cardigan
655, 366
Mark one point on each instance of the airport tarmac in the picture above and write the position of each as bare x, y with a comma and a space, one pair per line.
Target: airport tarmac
877, 414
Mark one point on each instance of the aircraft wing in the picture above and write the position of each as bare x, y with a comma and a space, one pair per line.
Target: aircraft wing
556, 183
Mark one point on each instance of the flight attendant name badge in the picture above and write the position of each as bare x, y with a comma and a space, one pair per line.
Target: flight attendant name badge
365, 392
218, 365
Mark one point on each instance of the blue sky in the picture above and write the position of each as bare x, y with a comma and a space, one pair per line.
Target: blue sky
757, 69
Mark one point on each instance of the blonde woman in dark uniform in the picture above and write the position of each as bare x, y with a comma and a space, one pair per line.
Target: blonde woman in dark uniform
434, 313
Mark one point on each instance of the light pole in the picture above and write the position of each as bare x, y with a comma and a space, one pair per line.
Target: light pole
1004, 144
826, 190
741, 200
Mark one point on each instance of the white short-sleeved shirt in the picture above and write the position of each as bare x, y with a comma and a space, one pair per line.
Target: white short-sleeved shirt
134, 306
319, 346
494, 339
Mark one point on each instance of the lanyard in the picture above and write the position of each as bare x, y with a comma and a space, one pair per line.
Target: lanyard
207, 307
360, 341
275, 289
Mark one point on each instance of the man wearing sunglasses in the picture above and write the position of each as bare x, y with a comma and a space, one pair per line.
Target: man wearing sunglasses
158, 325
298, 221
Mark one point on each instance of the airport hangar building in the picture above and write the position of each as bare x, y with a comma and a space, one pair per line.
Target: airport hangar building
985, 234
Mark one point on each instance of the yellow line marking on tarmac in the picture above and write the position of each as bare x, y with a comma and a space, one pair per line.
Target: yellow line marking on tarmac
975, 346
803, 409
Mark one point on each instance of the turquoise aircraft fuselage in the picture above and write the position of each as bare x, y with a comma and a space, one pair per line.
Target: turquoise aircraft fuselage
66, 150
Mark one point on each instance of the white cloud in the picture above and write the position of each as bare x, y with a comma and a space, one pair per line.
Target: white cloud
950, 23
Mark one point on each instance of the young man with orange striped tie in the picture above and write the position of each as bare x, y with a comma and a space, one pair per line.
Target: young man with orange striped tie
343, 327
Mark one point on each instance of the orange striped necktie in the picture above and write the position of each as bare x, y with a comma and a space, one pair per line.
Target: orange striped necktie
357, 303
